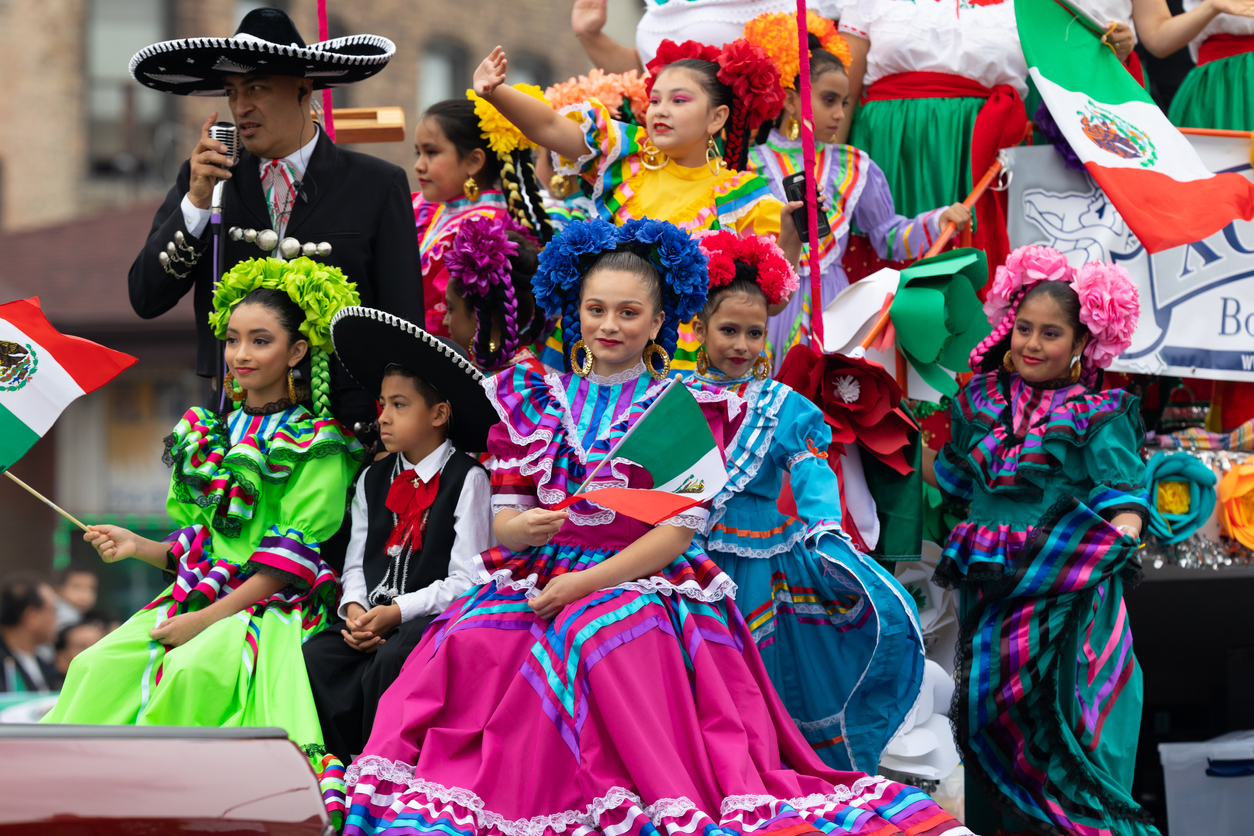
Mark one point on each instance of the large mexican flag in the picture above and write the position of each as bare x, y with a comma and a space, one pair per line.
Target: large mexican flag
1145, 166
41, 372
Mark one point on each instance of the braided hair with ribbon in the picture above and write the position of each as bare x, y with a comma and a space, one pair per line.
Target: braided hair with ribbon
583, 246
490, 265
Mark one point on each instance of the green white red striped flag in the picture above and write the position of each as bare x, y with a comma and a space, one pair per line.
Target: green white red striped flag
41, 372
673, 441
1146, 167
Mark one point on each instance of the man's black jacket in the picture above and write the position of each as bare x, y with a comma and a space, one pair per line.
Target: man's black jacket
357, 203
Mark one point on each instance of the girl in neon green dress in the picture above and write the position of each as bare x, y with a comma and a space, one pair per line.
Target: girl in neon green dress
257, 492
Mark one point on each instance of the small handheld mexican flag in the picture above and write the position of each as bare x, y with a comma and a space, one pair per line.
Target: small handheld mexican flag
41, 372
1146, 167
673, 441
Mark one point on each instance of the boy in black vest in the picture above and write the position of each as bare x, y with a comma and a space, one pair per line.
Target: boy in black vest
420, 517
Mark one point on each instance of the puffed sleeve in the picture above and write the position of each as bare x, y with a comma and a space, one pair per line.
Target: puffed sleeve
800, 447
609, 142
954, 475
894, 237
744, 201
524, 439
1111, 458
310, 512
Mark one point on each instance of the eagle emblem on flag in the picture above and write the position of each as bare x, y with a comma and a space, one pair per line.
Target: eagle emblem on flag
1115, 135
17, 365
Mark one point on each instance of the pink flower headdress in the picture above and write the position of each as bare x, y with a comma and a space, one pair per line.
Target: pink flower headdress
622, 93
774, 274
1109, 303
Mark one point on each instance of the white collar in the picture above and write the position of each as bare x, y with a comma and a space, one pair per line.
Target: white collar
432, 463
299, 158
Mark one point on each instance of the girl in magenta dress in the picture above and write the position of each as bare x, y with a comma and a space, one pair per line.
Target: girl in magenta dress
601, 680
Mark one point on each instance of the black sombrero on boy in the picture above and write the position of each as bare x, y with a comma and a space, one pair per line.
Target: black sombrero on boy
266, 43
368, 341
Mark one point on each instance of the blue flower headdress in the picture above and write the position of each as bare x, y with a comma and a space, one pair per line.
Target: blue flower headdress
678, 259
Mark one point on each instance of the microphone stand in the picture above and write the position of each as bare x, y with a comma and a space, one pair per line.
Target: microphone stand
219, 254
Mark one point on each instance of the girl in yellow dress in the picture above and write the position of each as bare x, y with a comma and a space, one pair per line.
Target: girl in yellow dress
670, 169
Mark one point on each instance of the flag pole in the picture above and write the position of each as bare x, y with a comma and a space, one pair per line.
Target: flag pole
45, 500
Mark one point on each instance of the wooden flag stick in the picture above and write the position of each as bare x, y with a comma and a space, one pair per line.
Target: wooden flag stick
45, 500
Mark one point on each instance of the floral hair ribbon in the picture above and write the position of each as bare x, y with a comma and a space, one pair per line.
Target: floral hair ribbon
774, 274
503, 138
775, 33
623, 93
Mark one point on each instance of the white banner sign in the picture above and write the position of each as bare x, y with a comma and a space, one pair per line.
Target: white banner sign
1197, 302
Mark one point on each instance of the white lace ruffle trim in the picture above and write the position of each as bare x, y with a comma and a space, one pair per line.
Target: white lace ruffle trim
722, 586
735, 806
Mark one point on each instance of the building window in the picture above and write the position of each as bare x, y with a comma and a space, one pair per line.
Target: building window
122, 115
442, 73
530, 69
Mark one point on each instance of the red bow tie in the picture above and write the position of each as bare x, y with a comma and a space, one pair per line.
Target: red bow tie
409, 498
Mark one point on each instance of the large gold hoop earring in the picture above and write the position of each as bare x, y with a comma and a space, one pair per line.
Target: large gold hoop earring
792, 128
652, 350
471, 188
1007, 363
651, 158
762, 367
712, 160
1076, 369
703, 361
236, 392
585, 368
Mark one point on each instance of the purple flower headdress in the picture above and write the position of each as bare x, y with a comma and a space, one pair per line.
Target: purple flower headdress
479, 262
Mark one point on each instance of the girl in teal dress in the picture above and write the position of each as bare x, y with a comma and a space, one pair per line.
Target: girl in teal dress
256, 492
839, 637
1048, 703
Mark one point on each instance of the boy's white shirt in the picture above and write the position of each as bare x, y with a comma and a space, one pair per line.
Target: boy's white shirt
472, 528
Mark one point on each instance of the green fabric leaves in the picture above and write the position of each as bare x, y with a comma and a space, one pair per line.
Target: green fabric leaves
938, 317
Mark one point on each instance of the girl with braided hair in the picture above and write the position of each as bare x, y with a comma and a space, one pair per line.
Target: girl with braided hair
492, 313
838, 636
470, 163
1048, 703
850, 185
257, 491
601, 679
670, 168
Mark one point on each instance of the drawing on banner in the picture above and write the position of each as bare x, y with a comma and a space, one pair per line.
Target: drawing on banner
1197, 300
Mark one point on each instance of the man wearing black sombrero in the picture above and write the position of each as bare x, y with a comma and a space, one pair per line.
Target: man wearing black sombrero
420, 516
290, 180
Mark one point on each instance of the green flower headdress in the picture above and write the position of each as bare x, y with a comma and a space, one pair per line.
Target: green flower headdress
317, 289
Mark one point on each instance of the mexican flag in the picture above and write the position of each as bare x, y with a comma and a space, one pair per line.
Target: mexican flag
1145, 166
673, 441
41, 372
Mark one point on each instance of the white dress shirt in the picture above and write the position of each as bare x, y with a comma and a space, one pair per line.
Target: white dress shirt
1221, 25
472, 527
196, 219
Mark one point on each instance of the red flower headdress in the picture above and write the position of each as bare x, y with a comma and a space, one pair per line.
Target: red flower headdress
752, 76
775, 275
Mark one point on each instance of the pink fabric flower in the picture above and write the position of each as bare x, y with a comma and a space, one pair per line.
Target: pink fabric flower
1109, 308
1026, 266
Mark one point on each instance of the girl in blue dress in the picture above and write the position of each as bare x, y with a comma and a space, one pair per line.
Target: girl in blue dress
839, 637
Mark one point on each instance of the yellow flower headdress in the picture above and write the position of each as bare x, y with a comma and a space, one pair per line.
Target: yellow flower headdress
775, 33
503, 138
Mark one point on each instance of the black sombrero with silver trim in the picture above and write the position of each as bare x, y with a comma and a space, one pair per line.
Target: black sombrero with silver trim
368, 341
266, 43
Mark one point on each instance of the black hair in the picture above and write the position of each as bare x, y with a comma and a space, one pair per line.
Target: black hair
429, 394
1066, 298
63, 635
629, 261
736, 128
745, 281
516, 171
290, 317
518, 327
19, 594
821, 61
99, 615
64, 574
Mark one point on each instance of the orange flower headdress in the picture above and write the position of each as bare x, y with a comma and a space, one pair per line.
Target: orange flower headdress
775, 33
621, 92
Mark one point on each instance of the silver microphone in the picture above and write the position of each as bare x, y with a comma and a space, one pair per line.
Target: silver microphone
225, 133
